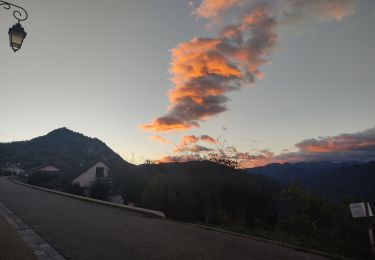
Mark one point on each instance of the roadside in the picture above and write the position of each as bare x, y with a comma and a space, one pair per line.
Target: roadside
36, 244
262, 236
11, 244
81, 230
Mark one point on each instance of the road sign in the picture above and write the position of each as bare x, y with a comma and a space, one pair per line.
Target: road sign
359, 210
363, 210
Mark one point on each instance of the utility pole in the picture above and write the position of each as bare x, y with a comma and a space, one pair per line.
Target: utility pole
371, 234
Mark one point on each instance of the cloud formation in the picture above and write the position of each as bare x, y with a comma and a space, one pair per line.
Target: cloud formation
208, 139
159, 139
325, 10
205, 70
213, 8
344, 147
341, 143
187, 140
186, 144
358, 146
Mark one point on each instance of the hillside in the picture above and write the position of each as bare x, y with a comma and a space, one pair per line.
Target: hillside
288, 173
69, 151
214, 194
203, 191
356, 182
333, 180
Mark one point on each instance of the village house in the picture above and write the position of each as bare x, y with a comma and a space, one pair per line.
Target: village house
13, 170
45, 169
98, 171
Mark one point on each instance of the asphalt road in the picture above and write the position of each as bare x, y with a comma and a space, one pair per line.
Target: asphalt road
83, 230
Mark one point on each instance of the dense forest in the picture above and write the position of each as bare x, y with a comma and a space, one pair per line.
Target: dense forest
213, 194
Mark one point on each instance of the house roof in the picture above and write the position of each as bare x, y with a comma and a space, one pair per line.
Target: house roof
49, 168
46, 168
13, 169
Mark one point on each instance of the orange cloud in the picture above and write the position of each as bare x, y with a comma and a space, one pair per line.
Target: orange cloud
189, 139
358, 146
204, 70
345, 147
159, 139
166, 124
212, 8
208, 139
340, 143
181, 158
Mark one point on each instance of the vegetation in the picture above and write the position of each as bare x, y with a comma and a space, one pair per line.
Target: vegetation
41, 178
217, 195
333, 180
62, 148
74, 188
100, 190
324, 224
214, 192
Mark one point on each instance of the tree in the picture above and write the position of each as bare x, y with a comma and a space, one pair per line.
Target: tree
100, 189
74, 188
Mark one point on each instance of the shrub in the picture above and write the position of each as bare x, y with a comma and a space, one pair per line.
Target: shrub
74, 188
100, 189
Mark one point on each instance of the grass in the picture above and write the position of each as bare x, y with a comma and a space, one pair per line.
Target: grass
12, 247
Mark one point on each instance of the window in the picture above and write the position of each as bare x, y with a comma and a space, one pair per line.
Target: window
99, 172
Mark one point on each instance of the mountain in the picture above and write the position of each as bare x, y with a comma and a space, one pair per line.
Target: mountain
287, 173
355, 181
333, 180
69, 151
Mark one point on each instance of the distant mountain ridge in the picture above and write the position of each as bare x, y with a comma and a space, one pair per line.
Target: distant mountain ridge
74, 153
334, 180
287, 173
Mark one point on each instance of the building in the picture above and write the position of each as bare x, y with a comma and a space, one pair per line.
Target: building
98, 171
46, 169
14, 170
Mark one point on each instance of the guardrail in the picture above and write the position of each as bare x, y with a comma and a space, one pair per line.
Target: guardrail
154, 213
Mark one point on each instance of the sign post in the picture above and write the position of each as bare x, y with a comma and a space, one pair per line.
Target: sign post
363, 210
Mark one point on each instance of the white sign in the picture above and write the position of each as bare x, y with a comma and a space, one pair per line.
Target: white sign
359, 211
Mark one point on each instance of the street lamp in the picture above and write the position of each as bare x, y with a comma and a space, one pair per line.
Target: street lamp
16, 36
16, 33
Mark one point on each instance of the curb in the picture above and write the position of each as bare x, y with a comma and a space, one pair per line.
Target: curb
41, 249
153, 213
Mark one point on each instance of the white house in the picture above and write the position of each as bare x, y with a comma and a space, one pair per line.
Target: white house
98, 170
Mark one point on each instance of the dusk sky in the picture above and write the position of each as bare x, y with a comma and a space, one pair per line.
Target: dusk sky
284, 80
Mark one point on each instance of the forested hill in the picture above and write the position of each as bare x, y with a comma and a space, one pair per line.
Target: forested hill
62, 148
334, 180
355, 181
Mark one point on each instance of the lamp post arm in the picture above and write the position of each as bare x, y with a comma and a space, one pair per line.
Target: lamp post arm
19, 13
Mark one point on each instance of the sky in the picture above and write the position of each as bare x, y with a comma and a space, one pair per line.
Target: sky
282, 80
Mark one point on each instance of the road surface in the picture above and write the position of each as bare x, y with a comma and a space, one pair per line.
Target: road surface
83, 230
